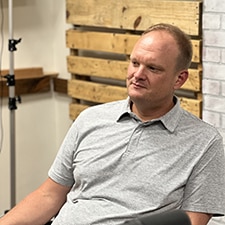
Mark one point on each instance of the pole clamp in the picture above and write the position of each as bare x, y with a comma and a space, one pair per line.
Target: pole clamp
13, 43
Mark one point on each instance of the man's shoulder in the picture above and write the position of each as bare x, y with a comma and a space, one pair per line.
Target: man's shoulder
108, 109
107, 105
198, 124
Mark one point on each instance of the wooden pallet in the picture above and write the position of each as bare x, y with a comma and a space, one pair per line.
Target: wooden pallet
102, 39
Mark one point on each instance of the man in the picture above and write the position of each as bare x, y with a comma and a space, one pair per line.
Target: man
140, 155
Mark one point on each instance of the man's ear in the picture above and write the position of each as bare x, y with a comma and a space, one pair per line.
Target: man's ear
181, 79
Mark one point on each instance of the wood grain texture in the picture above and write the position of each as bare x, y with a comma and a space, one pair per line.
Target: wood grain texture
136, 14
102, 40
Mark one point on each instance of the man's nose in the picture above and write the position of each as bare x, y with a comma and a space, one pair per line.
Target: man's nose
140, 73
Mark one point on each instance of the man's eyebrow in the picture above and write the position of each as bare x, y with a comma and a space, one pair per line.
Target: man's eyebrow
133, 58
155, 65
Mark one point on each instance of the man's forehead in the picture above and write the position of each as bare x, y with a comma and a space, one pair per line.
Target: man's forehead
156, 41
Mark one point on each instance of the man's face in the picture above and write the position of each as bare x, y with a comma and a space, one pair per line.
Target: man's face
152, 76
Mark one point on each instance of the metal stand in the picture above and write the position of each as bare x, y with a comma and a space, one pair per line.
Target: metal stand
12, 105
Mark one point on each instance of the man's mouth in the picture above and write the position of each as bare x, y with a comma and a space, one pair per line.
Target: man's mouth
137, 85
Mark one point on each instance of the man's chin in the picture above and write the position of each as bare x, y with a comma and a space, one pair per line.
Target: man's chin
136, 93
136, 97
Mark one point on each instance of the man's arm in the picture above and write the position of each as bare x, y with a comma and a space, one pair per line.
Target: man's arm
39, 206
199, 218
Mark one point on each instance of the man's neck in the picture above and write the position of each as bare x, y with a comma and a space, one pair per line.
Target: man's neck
147, 113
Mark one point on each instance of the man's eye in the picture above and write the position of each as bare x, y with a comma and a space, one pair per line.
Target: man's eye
153, 69
135, 63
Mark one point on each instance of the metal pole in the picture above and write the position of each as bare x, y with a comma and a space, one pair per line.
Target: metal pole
12, 113
12, 104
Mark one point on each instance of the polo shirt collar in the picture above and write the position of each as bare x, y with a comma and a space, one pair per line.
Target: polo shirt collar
170, 120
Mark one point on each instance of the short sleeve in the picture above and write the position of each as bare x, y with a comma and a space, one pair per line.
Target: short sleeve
61, 170
205, 189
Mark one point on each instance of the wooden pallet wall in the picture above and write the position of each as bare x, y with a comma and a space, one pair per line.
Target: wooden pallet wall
102, 39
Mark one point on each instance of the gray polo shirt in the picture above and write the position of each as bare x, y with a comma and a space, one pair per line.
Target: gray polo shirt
119, 166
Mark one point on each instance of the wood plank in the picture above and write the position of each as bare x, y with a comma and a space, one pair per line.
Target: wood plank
194, 81
28, 86
194, 106
95, 92
111, 69
135, 15
117, 70
35, 85
75, 109
101, 41
197, 51
112, 42
28, 81
25, 73
60, 85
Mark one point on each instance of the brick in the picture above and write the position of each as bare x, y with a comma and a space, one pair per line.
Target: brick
223, 56
222, 132
214, 38
214, 5
211, 87
215, 104
223, 89
223, 121
213, 58
211, 117
211, 21
223, 22
211, 54
213, 71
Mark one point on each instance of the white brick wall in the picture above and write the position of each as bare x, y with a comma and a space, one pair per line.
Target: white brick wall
214, 63
214, 69
214, 6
